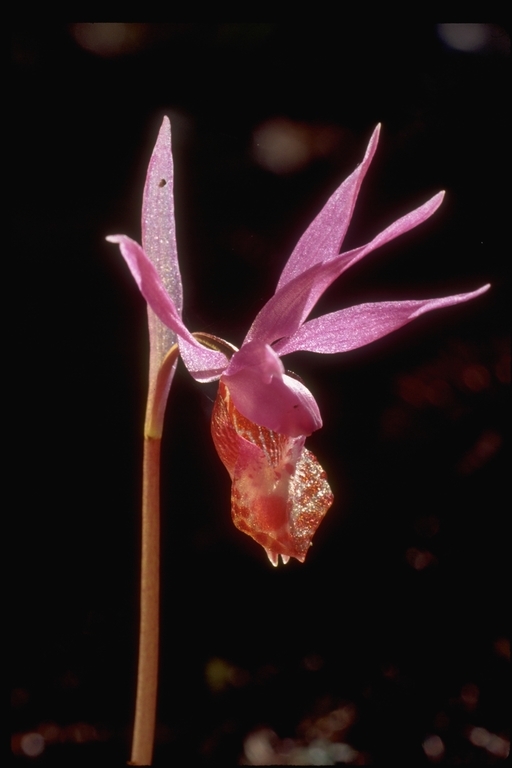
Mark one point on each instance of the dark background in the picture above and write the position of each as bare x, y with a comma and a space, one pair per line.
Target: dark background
393, 634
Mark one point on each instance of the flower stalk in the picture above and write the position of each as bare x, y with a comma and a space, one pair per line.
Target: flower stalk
147, 672
149, 636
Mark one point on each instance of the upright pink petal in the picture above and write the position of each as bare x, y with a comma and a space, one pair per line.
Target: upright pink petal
289, 307
158, 223
159, 244
399, 227
323, 238
360, 325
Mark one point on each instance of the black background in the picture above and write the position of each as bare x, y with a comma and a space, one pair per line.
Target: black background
398, 616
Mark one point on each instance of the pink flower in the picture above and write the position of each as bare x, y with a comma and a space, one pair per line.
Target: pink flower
262, 415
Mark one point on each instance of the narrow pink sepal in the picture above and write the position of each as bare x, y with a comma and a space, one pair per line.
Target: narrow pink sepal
264, 394
150, 284
289, 307
158, 222
151, 287
360, 325
285, 311
397, 228
323, 238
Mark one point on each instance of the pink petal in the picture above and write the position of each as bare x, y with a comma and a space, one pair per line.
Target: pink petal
399, 227
158, 225
150, 283
288, 308
360, 325
265, 395
152, 289
323, 238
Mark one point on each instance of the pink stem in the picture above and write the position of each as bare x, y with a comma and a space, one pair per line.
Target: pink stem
147, 677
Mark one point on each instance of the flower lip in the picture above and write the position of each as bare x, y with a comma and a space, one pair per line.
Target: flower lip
279, 493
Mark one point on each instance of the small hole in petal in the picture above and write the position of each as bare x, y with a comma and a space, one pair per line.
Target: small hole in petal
162, 183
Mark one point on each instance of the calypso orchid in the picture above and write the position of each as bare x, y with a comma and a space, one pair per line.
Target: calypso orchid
262, 415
